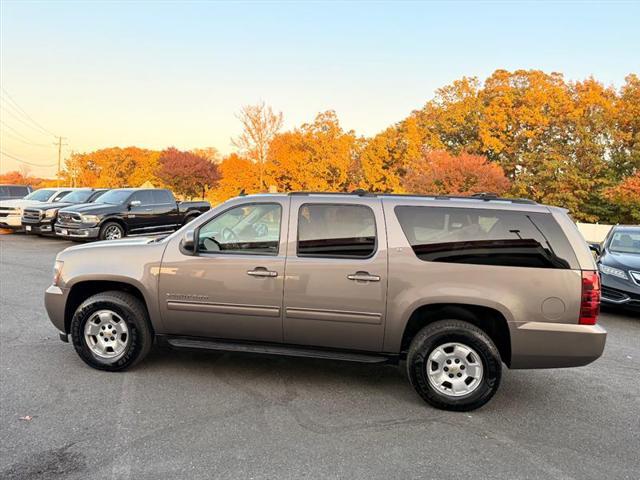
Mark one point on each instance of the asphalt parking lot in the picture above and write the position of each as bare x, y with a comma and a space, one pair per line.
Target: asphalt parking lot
207, 415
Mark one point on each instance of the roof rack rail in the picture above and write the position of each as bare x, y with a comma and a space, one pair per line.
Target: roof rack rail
482, 196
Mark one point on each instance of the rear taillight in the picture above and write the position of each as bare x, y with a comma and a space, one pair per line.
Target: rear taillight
590, 303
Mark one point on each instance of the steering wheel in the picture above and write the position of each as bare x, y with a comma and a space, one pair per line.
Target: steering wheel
229, 236
211, 244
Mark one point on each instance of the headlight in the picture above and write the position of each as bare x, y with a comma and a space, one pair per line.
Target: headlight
616, 272
90, 218
57, 271
51, 213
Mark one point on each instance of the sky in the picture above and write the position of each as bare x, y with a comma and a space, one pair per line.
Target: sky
160, 74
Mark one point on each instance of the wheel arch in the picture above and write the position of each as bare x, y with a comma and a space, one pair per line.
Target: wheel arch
488, 319
117, 220
82, 290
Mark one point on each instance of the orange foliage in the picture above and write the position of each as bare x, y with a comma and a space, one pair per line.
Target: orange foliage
439, 172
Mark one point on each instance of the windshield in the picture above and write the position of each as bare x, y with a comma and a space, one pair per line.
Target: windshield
625, 241
114, 197
79, 196
40, 195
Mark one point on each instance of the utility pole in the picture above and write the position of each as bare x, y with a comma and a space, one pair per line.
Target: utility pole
59, 144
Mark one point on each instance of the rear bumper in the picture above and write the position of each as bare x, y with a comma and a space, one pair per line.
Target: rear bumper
555, 345
55, 300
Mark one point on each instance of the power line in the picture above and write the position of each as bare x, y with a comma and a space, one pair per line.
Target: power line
24, 161
16, 132
25, 123
25, 113
26, 142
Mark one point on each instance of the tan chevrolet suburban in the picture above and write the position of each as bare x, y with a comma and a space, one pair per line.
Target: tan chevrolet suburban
452, 286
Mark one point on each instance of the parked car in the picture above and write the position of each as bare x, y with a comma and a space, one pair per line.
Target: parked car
452, 286
127, 211
11, 210
619, 265
40, 220
8, 192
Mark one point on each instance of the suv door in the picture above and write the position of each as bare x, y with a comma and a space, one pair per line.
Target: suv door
336, 283
232, 286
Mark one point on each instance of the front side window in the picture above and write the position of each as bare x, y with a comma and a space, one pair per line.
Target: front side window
336, 231
145, 197
482, 237
60, 195
245, 229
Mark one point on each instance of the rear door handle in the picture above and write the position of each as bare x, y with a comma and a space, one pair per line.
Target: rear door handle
363, 277
262, 272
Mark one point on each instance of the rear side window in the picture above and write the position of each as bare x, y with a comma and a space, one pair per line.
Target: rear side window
161, 197
336, 231
485, 237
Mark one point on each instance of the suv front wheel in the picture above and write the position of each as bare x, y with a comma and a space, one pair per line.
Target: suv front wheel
110, 331
454, 365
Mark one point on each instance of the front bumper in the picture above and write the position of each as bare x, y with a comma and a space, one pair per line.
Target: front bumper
620, 292
76, 231
55, 300
555, 345
11, 221
37, 227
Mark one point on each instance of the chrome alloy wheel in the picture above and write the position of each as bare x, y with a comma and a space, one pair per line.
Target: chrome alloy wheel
113, 232
106, 335
454, 369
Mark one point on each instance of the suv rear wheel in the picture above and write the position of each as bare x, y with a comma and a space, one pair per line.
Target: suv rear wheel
110, 331
454, 365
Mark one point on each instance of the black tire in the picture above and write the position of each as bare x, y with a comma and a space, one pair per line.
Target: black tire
133, 313
454, 331
110, 225
189, 219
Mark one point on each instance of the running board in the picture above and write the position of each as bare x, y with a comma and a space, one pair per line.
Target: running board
282, 350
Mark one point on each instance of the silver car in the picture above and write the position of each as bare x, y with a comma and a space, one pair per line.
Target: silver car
453, 287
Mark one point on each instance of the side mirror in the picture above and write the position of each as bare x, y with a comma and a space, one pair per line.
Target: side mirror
188, 242
596, 248
134, 203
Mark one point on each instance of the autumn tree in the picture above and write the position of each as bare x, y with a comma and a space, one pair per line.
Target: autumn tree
625, 197
238, 174
187, 173
317, 156
259, 127
112, 167
21, 177
208, 153
441, 173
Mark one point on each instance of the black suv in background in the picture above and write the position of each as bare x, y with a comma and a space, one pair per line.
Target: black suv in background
8, 192
127, 211
40, 220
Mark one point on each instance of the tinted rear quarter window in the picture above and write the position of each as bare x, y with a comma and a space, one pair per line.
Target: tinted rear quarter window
336, 231
485, 237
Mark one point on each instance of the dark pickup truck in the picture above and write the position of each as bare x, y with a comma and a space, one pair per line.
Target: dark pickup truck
127, 211
41, 219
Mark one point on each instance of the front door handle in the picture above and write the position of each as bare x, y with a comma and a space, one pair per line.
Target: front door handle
262, 272
363, 277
